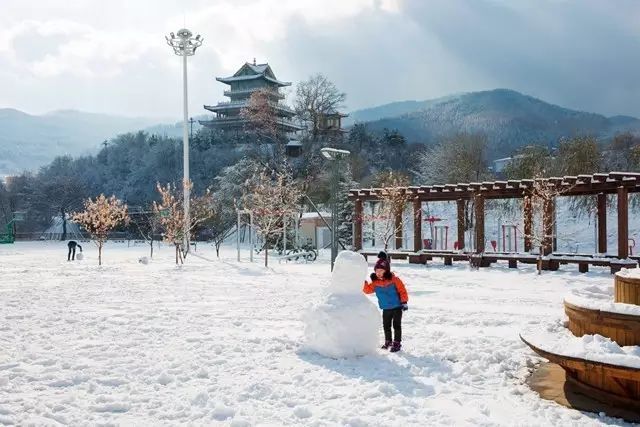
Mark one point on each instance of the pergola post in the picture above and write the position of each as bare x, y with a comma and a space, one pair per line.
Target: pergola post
602, 223
528, 222
357, 224
547, 225
623, 223
417, 224
479, 214
398, 227
460, 204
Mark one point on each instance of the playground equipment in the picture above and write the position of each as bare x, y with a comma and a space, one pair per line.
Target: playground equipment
509, 238
9, 236
439, 235
239, 226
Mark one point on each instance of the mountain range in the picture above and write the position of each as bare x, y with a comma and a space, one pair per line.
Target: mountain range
508, 118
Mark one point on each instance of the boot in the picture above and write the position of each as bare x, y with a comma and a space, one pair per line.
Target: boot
386, 345
396, 346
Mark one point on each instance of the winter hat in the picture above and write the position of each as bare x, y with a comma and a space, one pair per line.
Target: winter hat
382, 264
382, 255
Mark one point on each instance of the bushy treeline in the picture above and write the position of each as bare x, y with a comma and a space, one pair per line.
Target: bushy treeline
131, 165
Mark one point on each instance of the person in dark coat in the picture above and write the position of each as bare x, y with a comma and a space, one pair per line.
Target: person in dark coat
72, 250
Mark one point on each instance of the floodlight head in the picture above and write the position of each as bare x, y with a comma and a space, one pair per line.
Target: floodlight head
184, 33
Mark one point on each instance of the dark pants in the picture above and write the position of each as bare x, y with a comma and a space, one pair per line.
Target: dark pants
72, 250
389, 317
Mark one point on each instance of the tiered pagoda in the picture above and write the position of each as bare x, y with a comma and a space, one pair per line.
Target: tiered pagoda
248, 79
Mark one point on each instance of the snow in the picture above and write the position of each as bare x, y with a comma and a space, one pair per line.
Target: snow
600, 297
222, 343
344, 323
629, 273
555, 338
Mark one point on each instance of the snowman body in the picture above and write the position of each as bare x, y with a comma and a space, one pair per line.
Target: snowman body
344, 323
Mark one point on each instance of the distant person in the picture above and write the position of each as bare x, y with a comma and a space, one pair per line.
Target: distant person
72, 250
392, 299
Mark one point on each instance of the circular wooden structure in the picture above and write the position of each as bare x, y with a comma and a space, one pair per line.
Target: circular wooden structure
624, 329
616, 385
627, 290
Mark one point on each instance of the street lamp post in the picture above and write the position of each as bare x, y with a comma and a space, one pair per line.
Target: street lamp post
184, 44
334, 155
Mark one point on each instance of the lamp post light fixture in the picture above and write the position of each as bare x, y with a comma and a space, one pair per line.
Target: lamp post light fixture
334, 155
184, 44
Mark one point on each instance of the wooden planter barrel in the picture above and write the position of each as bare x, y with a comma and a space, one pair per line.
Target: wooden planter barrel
627, 290
621, 328
618, 385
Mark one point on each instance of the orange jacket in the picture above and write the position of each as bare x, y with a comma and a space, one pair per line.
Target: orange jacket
391, 293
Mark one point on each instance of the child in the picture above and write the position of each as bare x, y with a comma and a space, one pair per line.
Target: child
392, 299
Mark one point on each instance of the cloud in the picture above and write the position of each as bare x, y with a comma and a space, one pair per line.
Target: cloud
111, 56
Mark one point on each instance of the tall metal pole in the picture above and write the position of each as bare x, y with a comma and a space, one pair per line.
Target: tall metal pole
185, 152
184, 45
334, 212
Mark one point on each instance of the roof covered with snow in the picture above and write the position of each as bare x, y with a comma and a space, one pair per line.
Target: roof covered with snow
251, 72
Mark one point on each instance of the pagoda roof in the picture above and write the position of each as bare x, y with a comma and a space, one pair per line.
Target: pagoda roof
251, 72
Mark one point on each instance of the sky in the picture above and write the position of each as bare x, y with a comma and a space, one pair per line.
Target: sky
111, 56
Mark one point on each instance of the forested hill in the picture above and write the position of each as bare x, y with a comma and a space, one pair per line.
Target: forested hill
30, 141
508, 118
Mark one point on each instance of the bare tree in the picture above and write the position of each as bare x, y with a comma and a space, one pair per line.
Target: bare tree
539, 206
171, 214
148, 224
316, 97
393, 200
260, 115
459, 158
101, 216
270, 196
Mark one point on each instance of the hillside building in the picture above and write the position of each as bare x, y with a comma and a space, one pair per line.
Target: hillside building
248, 79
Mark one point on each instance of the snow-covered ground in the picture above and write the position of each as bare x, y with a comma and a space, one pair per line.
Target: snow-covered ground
221, 343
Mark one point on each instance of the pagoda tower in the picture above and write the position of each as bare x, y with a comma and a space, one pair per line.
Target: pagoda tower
248, 79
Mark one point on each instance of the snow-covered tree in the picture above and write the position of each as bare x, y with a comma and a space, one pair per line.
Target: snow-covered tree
271, 195
172, 219
99, 217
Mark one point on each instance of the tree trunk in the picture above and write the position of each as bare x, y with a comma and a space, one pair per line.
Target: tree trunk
151, 244
540, 261
100, 253
177, 253
217, 250
266, 256
64, 224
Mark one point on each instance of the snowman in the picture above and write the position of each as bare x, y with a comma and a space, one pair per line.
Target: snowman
345, 322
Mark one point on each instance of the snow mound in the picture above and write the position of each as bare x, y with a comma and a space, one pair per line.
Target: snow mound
555, 338
631, 273
345, 323
597, 297
79, 256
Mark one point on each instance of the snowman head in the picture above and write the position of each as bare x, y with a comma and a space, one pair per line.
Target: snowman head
349, 272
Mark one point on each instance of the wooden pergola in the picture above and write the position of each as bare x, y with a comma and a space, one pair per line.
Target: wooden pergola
599, 184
